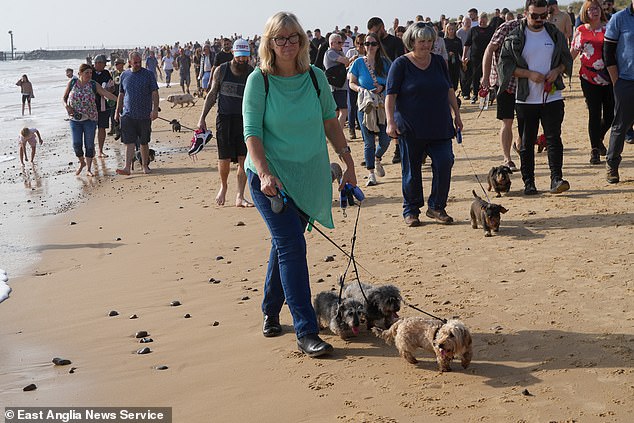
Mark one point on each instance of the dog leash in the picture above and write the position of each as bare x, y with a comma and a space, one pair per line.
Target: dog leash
169, 121
352, 260
424, 312
459, 141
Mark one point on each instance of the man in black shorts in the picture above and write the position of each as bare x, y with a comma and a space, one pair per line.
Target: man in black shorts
102, 77
227, 86
505, 100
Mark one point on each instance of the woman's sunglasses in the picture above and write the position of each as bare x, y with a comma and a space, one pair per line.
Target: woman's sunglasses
370, 43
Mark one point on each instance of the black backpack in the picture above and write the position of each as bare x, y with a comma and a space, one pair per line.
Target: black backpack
313, 78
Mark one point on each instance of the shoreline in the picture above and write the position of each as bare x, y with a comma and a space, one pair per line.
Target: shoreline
548, 299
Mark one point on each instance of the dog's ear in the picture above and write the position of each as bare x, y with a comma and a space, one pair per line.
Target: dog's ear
493, 170
508, 169
503, 210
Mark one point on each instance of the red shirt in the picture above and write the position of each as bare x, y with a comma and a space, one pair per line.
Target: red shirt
589, 44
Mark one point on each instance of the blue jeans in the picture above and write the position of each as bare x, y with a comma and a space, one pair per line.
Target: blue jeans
370, 149
412, 153
83, 133
623, 120
287, 272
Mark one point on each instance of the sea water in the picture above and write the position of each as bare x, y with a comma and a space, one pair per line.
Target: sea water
31, 193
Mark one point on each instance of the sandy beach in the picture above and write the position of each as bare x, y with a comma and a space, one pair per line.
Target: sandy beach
548, 299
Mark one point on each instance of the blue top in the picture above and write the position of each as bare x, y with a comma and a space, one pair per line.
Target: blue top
137, 87
422, 103
360, 70
621, 29
151, 63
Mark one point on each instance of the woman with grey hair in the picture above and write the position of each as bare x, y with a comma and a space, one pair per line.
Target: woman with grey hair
419, 101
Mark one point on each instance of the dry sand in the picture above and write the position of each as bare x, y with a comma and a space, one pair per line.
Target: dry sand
548, 299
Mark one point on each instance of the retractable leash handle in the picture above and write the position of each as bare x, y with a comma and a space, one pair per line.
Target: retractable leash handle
279, 201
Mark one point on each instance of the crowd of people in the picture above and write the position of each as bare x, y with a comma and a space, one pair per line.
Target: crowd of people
282, 95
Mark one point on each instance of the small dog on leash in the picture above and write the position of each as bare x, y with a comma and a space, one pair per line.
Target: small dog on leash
181, 99
382, 305
343, 319
137, 157
485, 214
499, 179
446, 340
176, 125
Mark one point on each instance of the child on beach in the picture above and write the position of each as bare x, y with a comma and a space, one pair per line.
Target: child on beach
27, 91
27, 135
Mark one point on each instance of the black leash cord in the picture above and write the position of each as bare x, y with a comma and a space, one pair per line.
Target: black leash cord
169, 121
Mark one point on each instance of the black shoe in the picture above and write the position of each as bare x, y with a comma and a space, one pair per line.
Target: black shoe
530, 188
474, 100
595, 159
313, 346
602, 150
612, 174
396, 159
271, 326
558, 186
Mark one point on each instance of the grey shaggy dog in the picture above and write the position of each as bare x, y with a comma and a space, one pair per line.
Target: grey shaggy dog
343, 319
382, 306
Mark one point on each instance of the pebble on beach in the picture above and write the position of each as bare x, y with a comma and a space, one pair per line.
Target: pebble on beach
141, 334
216, 323
329, 258
31, 387
144, 350
187, 316
219, 257
60, 361
113, 313
72, 370
146, 340
162, 367
73, 223
240, 223
175, 303
134, 316
214, 280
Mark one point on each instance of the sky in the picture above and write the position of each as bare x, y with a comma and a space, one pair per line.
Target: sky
77, 24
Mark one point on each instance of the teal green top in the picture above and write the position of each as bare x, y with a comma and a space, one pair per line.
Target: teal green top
290, 123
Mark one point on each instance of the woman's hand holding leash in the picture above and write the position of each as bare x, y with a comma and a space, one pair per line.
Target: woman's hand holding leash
348, 177
269, 184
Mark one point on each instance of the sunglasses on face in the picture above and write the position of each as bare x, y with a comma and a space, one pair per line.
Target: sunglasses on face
538, 16
594, 9
281, 41
370, 43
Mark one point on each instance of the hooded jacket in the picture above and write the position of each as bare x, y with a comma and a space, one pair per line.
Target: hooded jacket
511, 58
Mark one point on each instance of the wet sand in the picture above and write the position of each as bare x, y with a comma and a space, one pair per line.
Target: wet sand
548, 299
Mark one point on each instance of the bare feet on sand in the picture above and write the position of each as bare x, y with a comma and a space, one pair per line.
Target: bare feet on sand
89, 173
82, 165
147, 170
241, 202
102, 155
125, 172
220, 197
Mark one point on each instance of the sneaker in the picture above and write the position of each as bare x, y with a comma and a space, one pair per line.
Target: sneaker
612, 174
371, 180
629, 137
353, 134
558, 186
511, 165
595, 159
363, 163
412, 221
396, 159
530, 188
474, 100
440, 216
380, 171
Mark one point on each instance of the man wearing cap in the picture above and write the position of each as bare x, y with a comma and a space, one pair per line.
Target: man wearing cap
560, 19
227, 86
137, 107
102, 77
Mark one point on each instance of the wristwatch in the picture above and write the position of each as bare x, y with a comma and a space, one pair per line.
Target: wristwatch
344, 150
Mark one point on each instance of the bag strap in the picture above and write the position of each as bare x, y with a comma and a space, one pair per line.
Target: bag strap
313, 78
367, 65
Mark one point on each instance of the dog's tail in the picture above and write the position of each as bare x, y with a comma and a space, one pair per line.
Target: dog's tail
388, 334
474, 193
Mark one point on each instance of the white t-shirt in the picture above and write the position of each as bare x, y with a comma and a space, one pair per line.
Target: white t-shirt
168, 63
538, 53
348, 43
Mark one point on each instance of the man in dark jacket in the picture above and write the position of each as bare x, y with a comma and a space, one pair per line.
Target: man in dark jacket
537, 54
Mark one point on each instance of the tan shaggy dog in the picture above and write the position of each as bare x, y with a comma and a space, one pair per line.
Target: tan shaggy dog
446, 340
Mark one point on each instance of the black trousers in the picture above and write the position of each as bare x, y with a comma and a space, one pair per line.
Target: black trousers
477, 74
551, 116
623, 120
600, 102
466, 77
